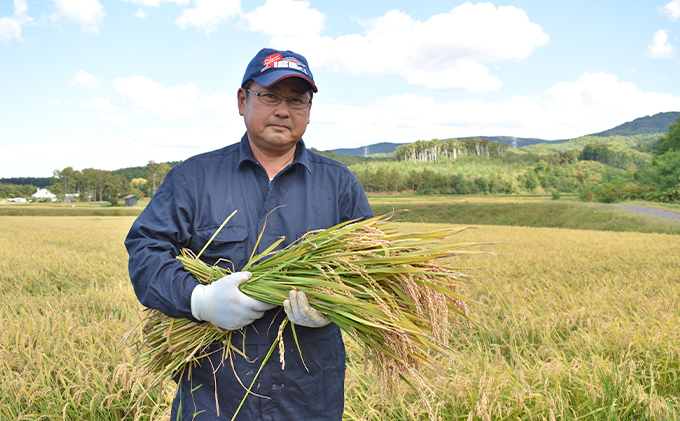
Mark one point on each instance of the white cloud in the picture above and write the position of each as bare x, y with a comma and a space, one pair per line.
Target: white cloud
446, 51
276, 17
162, 139
113, 118
59, 104
10, 27
141, 14
595, 102
143, 96
672, 10
146, 97
101, 104
156, 3
111, 152
82, 79
89, 14
223, 104
466, 75
208, 14
659, 47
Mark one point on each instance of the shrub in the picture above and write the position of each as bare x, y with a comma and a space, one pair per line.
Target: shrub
586, 194
668, 196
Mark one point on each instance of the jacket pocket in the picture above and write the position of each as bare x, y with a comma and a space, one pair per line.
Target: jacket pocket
228, 247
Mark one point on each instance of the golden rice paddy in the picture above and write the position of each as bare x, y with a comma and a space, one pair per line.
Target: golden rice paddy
576, 325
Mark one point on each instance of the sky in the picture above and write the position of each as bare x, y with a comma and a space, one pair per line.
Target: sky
111, 84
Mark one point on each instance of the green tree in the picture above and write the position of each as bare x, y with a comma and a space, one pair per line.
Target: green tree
90, 183
157, 173
138, 184
66, 181
664, 172
670, 141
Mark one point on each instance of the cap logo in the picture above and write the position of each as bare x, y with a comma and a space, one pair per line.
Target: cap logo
272, 59
277, 61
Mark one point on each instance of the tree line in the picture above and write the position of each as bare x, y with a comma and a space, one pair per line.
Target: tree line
474, 174
615, 156
432, 150
92, 184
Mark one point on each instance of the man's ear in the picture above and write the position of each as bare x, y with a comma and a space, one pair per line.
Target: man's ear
241, 98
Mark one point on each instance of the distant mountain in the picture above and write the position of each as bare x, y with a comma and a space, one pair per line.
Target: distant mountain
387, 147
657, 123
383, 147
33, 181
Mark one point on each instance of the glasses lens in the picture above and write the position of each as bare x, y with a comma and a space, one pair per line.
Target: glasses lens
298, 102
269, 98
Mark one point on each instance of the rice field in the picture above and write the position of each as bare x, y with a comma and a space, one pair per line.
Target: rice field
576, 325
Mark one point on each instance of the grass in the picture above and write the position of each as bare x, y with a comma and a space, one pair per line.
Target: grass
68, 209
526, 211
580, 325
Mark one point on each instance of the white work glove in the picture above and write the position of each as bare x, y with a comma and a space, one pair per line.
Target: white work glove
224, 305
301, 313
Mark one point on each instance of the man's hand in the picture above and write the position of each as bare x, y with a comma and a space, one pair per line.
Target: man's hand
301, 313
224, 305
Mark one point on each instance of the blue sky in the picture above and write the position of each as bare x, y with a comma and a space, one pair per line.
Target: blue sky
109, 84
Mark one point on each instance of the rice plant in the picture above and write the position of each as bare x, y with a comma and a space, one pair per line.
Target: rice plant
390, 291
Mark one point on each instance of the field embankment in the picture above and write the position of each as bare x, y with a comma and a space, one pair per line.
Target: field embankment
65, 209
577, 325
526, 212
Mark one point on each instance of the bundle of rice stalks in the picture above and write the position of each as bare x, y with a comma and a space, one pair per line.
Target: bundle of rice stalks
390, 291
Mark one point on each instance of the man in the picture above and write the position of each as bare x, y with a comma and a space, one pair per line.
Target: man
269, 175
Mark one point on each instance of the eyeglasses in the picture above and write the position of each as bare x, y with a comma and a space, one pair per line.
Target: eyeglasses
295, 102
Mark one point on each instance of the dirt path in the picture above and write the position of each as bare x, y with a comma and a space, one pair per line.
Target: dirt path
654, 212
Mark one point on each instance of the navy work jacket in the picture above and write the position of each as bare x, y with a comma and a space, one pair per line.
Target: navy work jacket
196, 196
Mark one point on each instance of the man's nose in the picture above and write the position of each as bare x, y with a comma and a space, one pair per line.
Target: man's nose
282, 108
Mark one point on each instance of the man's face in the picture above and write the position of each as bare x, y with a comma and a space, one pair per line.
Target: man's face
274, 129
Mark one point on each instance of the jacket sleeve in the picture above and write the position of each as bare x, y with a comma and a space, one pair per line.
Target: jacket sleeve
354, 204
155, 239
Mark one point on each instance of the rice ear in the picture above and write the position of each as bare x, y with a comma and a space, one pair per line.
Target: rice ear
391, 291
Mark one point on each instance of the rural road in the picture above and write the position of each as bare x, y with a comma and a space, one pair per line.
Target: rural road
654, 212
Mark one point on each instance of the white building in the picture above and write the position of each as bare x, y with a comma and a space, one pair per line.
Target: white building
43, 194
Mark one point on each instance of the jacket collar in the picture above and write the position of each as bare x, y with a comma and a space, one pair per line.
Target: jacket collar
301, 153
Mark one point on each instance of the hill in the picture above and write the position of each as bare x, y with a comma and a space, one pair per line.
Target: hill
648, 125
32, 181
657, 123
140, 172
381, 148
627, 142
385, 148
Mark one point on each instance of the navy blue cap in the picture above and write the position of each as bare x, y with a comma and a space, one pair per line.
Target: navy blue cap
269, 66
